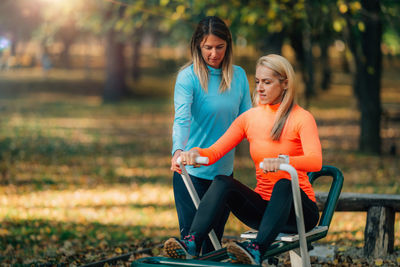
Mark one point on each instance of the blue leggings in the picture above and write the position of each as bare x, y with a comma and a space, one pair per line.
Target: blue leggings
186, 209
269, 217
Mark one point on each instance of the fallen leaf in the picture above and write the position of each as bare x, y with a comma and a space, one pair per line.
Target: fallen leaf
378, 262
4, 232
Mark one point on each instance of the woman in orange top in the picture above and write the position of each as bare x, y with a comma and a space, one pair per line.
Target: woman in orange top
279, 131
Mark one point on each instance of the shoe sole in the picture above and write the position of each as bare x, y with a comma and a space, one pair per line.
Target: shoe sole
174, 249
239, 254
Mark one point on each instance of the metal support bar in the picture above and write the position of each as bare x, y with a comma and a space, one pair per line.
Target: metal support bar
305, 258
196, 202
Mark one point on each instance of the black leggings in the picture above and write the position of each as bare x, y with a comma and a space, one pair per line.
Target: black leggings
269, 217
186, 209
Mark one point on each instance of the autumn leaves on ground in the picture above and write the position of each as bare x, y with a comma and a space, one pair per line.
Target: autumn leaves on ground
82, 181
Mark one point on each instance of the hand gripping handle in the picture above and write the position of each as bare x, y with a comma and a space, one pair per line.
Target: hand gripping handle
199, 160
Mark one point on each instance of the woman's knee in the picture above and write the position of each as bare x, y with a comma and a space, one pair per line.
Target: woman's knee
221, 184
223, 180
283, 185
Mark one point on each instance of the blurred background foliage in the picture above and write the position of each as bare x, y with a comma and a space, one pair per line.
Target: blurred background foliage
360, 32
86, 102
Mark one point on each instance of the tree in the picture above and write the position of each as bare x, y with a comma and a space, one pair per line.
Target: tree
268, 24
126, 22
59, 23
136, 54
364, 36
115, 85
68, 33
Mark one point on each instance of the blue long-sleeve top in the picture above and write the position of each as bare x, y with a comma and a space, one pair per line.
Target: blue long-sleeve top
203, 117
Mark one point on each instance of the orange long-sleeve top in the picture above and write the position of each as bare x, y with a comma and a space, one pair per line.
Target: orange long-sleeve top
299, 140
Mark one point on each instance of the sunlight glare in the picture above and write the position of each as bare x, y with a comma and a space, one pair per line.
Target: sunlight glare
59, 4
54, 1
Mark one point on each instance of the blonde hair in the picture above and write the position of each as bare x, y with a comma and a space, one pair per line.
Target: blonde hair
215, 26
284, 71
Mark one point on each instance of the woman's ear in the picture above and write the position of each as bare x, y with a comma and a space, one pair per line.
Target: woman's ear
285, 84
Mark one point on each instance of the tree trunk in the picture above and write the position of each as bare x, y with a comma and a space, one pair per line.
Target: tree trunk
301, 43
308, 55
370, 75
368, 61
272, 43
136, 47
65, 58
115, 86
325, 64
344, 62
309, 68
68, 34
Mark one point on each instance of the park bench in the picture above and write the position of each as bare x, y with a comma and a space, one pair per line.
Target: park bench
379, 229
283, 244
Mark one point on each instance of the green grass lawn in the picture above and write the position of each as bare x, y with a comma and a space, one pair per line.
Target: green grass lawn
81, 181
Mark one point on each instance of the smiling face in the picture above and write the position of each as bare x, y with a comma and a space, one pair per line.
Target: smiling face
269, 86
213, 50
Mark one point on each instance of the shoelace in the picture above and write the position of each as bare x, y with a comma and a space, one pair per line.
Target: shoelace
253, 246
189, 238
186, 239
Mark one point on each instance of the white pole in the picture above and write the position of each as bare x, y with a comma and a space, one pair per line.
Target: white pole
305, 258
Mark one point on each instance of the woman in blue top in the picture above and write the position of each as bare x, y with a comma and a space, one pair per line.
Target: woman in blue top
210, 92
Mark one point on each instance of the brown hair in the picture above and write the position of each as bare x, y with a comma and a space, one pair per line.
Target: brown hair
216, 26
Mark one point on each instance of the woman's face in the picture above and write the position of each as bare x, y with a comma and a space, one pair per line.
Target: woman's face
269, 87
213, 50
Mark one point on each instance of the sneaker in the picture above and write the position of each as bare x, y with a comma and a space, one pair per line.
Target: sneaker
181, 249
245, 252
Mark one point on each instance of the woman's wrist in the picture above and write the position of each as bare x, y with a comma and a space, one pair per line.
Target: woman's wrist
176, 152
285, 158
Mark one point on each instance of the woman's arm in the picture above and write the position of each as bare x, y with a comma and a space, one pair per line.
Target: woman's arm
183, 99
230, 139
312, 158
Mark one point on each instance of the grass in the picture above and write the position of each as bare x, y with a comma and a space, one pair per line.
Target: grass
81, 180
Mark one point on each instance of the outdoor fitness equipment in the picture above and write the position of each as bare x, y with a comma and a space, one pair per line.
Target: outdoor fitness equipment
284, 242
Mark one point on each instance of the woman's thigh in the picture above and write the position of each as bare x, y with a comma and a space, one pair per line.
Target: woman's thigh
245, 204
184, 203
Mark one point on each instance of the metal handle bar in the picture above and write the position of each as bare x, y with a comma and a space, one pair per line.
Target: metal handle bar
298, 210
199, 160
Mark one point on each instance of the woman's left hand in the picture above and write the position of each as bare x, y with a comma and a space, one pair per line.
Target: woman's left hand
272, 164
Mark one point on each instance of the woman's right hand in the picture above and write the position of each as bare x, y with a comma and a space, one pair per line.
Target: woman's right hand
272, 164
189, 157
